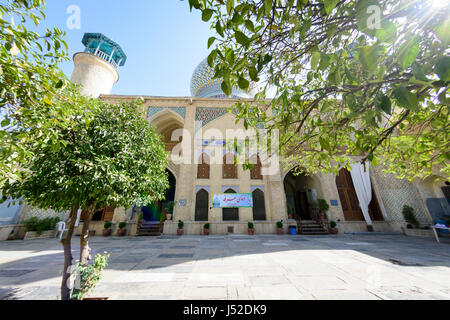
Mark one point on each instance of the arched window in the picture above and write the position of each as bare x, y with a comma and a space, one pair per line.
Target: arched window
230, 214
203, 167
229, 170
255, 172
259, 208
201, 205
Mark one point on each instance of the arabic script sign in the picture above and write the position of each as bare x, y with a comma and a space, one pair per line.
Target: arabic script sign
233, 200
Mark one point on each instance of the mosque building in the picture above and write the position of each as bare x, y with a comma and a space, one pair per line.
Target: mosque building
359, 201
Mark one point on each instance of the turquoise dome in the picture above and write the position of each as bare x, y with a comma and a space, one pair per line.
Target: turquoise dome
204, 85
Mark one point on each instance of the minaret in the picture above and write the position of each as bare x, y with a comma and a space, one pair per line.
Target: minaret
96, 68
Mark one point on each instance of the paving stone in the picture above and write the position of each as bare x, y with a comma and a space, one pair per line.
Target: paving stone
176, 255
12, 273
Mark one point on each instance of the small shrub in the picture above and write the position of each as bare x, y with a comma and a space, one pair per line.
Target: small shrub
122, 225
410, 217
279, 224
169, 207
89, 275
107, 225
333, 224
41, 225
250, 225
323, 205
180, 224
31, 223
141, 216
206, 226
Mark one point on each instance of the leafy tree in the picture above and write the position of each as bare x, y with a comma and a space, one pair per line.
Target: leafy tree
367, 78
29, 81
109, 156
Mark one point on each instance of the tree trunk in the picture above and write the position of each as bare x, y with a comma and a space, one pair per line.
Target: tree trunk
84, 244
66, 243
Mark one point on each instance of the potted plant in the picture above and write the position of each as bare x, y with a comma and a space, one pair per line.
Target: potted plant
107, 229
180, 229
290, 213
251, 228
410, 218
122, 229
206, 229
169, 209
280, 227
333, 229
323, 206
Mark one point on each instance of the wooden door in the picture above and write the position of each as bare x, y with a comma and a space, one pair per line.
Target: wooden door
348, 197
259, 207
230, 214
304, 208
201, 205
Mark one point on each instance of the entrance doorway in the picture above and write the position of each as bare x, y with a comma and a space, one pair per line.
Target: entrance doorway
301, 192
349, 199
230, 214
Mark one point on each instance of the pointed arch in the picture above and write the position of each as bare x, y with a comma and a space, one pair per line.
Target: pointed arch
255, 172
230, 214
201, 205
203, 167
259, 207
229, 167
166, 122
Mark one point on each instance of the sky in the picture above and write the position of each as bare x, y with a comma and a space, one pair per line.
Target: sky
162, 39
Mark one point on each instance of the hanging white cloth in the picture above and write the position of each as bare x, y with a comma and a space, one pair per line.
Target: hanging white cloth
78, 218
361, 181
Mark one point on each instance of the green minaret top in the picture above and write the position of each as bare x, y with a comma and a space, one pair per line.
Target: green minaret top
105, 48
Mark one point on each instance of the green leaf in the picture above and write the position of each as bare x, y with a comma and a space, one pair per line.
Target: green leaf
219, 28
253, 73
59, 84
268, 7
5, 122
243, 83
230, 6
207, 14
250, 26
330, 5
315, 58
368, 56
226, 87
405, 98
384, 103
408, 54
324, 61
212, 58
387, 32
442, 68
211, 41
242, 39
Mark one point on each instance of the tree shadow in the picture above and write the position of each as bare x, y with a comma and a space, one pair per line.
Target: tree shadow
177, 255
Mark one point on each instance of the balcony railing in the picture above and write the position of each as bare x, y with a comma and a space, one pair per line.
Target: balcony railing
102, 55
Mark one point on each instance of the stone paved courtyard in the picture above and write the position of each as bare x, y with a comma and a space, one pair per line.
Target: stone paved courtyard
240, 267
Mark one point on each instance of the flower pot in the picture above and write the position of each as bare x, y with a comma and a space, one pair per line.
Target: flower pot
290, 216
106, 232
180, 232
121, 232
206, 232
251, 231
334, 230
280, 231
169, 216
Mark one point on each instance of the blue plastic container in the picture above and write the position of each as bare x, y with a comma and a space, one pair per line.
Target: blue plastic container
293, 230
441, 221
